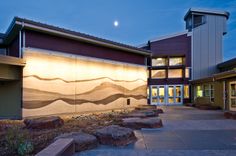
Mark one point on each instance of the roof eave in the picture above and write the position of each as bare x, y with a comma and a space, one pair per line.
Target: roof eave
19, 23
223, 13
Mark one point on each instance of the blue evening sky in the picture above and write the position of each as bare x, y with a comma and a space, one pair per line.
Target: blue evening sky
139, 20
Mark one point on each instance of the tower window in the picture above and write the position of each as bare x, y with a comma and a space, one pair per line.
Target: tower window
198, 20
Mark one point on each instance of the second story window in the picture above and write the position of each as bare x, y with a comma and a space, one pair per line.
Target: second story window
175, 73
159, 62
159, 74
175, 61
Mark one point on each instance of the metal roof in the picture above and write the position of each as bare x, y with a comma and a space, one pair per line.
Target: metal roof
22, 23
229, 63
207, 11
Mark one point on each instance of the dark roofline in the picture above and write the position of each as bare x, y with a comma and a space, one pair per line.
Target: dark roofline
207, 11
229, 63
22, 23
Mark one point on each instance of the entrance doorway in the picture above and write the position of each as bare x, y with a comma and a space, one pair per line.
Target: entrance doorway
232, 96
166, 94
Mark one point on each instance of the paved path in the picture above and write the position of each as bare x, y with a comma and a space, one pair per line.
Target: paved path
187, 131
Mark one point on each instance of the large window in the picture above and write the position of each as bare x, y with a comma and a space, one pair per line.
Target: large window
159, 62
159, 74
175, 73
186, 91
206, 90
175, 61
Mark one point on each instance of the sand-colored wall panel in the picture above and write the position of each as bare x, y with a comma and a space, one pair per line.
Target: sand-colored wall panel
69, 84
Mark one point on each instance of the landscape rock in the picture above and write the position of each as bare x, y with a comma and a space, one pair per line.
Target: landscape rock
83, 141
145, 107
228, 115
44, 122
141, 114
138, 123
159, 110
207, 107
115, 135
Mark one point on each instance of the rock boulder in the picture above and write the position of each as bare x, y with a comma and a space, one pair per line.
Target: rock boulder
138, 123
115, 135
83, 141
44, 122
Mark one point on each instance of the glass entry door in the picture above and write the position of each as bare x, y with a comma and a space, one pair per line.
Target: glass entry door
158, 94
166, 94
232, 96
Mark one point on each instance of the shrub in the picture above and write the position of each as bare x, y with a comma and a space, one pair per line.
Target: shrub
17, 140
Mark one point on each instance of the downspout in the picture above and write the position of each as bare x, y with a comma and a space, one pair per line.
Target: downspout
20, 40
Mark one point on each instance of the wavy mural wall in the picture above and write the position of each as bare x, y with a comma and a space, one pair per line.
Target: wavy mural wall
55, 83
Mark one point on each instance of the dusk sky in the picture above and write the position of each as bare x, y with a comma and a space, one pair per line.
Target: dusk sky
137, 21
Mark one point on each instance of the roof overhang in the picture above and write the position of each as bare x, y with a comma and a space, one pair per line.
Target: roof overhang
225, 75
19, 23
206, 11
202, 80
9, 60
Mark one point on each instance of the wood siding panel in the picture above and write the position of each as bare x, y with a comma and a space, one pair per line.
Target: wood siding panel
49, 42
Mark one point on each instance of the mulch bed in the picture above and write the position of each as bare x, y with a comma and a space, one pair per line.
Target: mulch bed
42, 138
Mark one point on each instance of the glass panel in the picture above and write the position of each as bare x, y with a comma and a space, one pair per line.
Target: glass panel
154, 91
159, 62
186, 91
161, 91
176, 61
161, 100
175, 73
186, 72
178, 100
171, 91
178, 91
154, 100
233, 90
199, 91
170, 100
160, 74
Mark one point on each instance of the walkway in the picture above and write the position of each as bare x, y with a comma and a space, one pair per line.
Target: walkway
187, 131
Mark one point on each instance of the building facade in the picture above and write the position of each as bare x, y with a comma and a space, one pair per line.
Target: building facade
181, 58
47, 70
69, 72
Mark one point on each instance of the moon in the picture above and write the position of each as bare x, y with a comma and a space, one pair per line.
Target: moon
116, 23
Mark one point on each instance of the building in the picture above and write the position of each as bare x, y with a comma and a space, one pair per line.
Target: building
219, 89
47, 70
181, 58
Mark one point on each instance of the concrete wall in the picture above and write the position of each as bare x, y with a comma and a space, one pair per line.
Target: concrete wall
207, 45
56, 83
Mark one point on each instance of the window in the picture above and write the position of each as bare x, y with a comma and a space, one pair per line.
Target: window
199, 91
175, 73
175, 61
198, 20
186, 91
206, 90
187, 73
159, 62
159, 74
